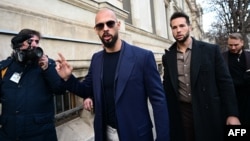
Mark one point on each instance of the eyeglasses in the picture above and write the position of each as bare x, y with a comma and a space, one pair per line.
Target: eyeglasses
100, 26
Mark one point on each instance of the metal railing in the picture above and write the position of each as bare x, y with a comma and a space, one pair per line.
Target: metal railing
66, 107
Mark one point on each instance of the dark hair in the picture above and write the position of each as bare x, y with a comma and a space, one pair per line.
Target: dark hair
30, 32
178, 15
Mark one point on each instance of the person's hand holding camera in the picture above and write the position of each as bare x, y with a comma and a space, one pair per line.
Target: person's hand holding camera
44, 62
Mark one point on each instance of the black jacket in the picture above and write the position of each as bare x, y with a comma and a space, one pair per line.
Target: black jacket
213, 97
28, 105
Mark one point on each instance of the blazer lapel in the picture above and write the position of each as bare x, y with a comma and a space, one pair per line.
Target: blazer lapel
247, 54
171, 59
124, 69
97, 75
195, 62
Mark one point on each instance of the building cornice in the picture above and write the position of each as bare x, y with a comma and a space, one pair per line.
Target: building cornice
141, 32
94, 6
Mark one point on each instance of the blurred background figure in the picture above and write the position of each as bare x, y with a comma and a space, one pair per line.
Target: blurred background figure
238, 61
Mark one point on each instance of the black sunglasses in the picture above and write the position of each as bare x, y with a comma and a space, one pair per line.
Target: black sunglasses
100, 26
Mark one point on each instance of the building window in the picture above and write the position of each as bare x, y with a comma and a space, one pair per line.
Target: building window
127, 7
160, 68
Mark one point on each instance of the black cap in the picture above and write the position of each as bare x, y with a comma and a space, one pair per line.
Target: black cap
17, 40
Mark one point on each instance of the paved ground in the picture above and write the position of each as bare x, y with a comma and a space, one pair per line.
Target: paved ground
79, 129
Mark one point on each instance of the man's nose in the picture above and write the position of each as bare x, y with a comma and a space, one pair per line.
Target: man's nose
34, 44
232, 46
178, 29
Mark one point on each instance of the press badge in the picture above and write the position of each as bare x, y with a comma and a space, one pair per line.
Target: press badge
16, 77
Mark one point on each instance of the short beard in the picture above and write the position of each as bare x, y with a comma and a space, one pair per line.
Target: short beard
184, 39
110, 44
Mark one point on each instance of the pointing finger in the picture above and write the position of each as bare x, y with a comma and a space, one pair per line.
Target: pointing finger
61, 57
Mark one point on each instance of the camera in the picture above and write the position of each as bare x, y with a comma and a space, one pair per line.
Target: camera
32, 54
29, 55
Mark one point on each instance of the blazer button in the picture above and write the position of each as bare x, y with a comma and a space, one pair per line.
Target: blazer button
17, 112
203, 89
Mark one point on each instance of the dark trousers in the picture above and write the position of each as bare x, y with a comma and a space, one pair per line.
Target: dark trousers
188, 121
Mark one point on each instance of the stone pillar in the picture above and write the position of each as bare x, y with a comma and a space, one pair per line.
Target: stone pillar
160, 18
170, 11
141, 17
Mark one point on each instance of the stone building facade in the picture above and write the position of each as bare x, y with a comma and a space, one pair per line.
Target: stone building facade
67, 27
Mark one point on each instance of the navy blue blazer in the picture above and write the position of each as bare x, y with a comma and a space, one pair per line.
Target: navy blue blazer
137, 80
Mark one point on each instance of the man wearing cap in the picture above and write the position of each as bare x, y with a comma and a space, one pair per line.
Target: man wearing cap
28, 82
